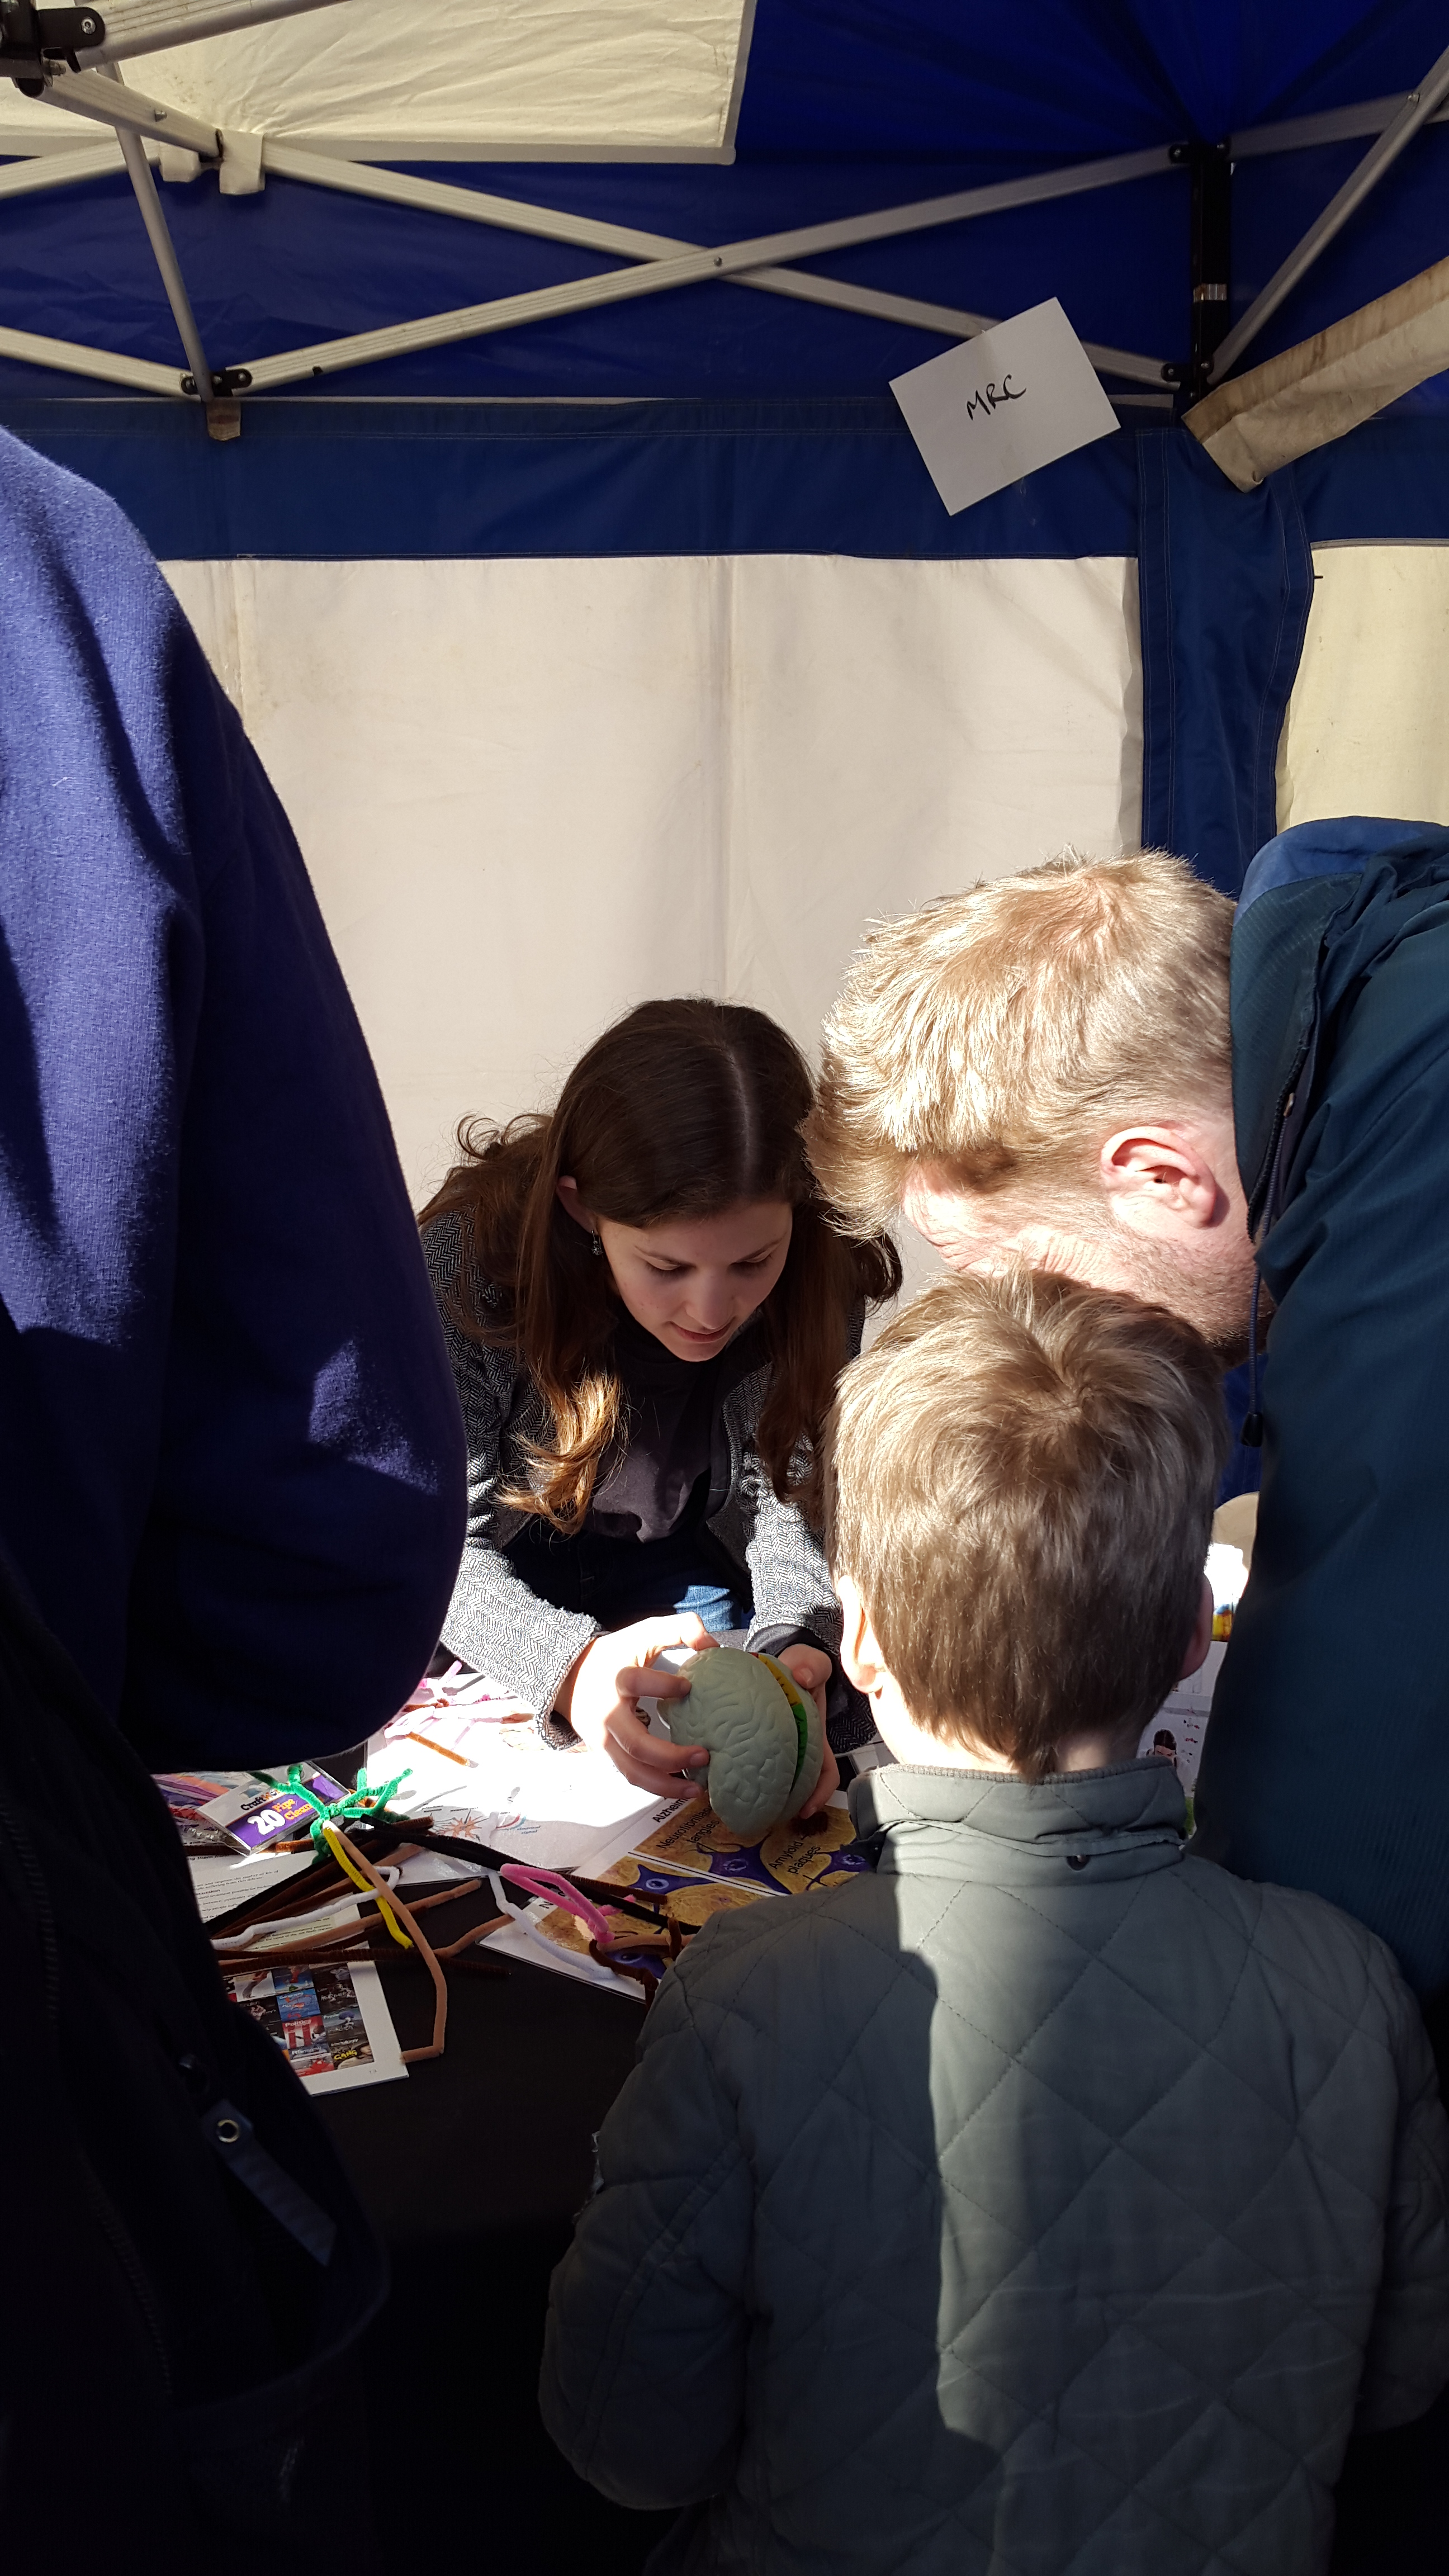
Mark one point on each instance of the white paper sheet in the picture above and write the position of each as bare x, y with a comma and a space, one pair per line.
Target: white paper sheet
222, 1880
1178, 1728
502, 1786
1003, 404
520, 1939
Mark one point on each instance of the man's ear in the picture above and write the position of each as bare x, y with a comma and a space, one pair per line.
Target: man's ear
1202, 1634
566, 1191
860, 1655
1160, 1180
945, 1216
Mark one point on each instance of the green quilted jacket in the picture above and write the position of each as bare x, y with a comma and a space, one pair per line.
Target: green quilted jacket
1050, 2203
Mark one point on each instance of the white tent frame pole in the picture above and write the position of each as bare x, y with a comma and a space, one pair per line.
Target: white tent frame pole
951, 324
72, 358
469, 205
139, 169
1334, 125
1417, 109
512, 214
167, 30
99, 95
58, 170
618, 286
112, 82
473, 321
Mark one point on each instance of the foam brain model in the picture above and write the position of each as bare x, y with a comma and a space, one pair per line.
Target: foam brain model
762, 1732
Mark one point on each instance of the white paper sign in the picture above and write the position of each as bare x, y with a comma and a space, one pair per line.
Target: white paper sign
1003, 404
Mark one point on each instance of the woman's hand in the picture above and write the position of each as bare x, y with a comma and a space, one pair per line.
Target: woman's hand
810, 1667
600, 1698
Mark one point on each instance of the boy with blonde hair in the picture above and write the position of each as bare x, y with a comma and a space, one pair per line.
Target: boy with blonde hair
1048, 2199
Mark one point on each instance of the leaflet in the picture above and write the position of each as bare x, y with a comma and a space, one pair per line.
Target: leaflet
495, 1783
331, 2023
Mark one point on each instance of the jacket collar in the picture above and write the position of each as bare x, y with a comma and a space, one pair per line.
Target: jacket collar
1072, 1829
1321, 905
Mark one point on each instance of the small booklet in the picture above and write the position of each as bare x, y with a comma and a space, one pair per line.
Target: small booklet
245, 1811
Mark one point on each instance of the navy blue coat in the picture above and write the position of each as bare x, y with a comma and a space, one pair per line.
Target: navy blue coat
231, 1459
1327, 1762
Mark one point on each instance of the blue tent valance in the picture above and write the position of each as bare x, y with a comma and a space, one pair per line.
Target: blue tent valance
347, 480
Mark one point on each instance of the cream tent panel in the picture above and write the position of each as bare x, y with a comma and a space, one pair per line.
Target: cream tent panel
1366, 730
532, 793
460, 76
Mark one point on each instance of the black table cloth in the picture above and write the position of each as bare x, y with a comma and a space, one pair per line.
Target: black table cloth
472, 2170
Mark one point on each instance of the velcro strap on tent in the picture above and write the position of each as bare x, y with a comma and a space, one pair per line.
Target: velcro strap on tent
1327, 385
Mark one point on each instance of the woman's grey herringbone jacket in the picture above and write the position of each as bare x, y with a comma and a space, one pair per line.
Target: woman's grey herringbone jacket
494, 1621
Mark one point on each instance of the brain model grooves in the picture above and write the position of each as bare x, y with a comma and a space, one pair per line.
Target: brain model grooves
762, 1733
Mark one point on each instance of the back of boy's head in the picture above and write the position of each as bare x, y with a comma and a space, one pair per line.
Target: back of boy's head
1020, 1479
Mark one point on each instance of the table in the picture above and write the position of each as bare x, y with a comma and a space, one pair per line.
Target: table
472, 2171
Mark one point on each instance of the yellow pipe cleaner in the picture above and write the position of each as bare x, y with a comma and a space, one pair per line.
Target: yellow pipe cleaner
329, 1833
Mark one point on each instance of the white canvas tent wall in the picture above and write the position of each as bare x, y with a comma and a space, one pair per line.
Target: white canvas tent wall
566, 786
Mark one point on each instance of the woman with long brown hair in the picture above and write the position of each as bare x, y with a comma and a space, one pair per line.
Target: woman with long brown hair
647, 1305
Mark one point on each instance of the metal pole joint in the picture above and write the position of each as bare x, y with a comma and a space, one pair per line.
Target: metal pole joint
224, 381
32, 39
1210, 167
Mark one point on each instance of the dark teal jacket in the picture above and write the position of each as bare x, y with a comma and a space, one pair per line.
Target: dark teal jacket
1327, 1762
1041, 2203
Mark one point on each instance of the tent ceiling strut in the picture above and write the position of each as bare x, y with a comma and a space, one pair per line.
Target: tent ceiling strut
1416, 110
154, 26
57, 170
67, 357
96, 95
139, 172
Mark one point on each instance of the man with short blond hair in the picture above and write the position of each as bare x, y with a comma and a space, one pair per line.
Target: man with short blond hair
1002, 1064
1094, 1068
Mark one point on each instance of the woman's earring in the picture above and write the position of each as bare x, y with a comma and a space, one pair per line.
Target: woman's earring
598, 1248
